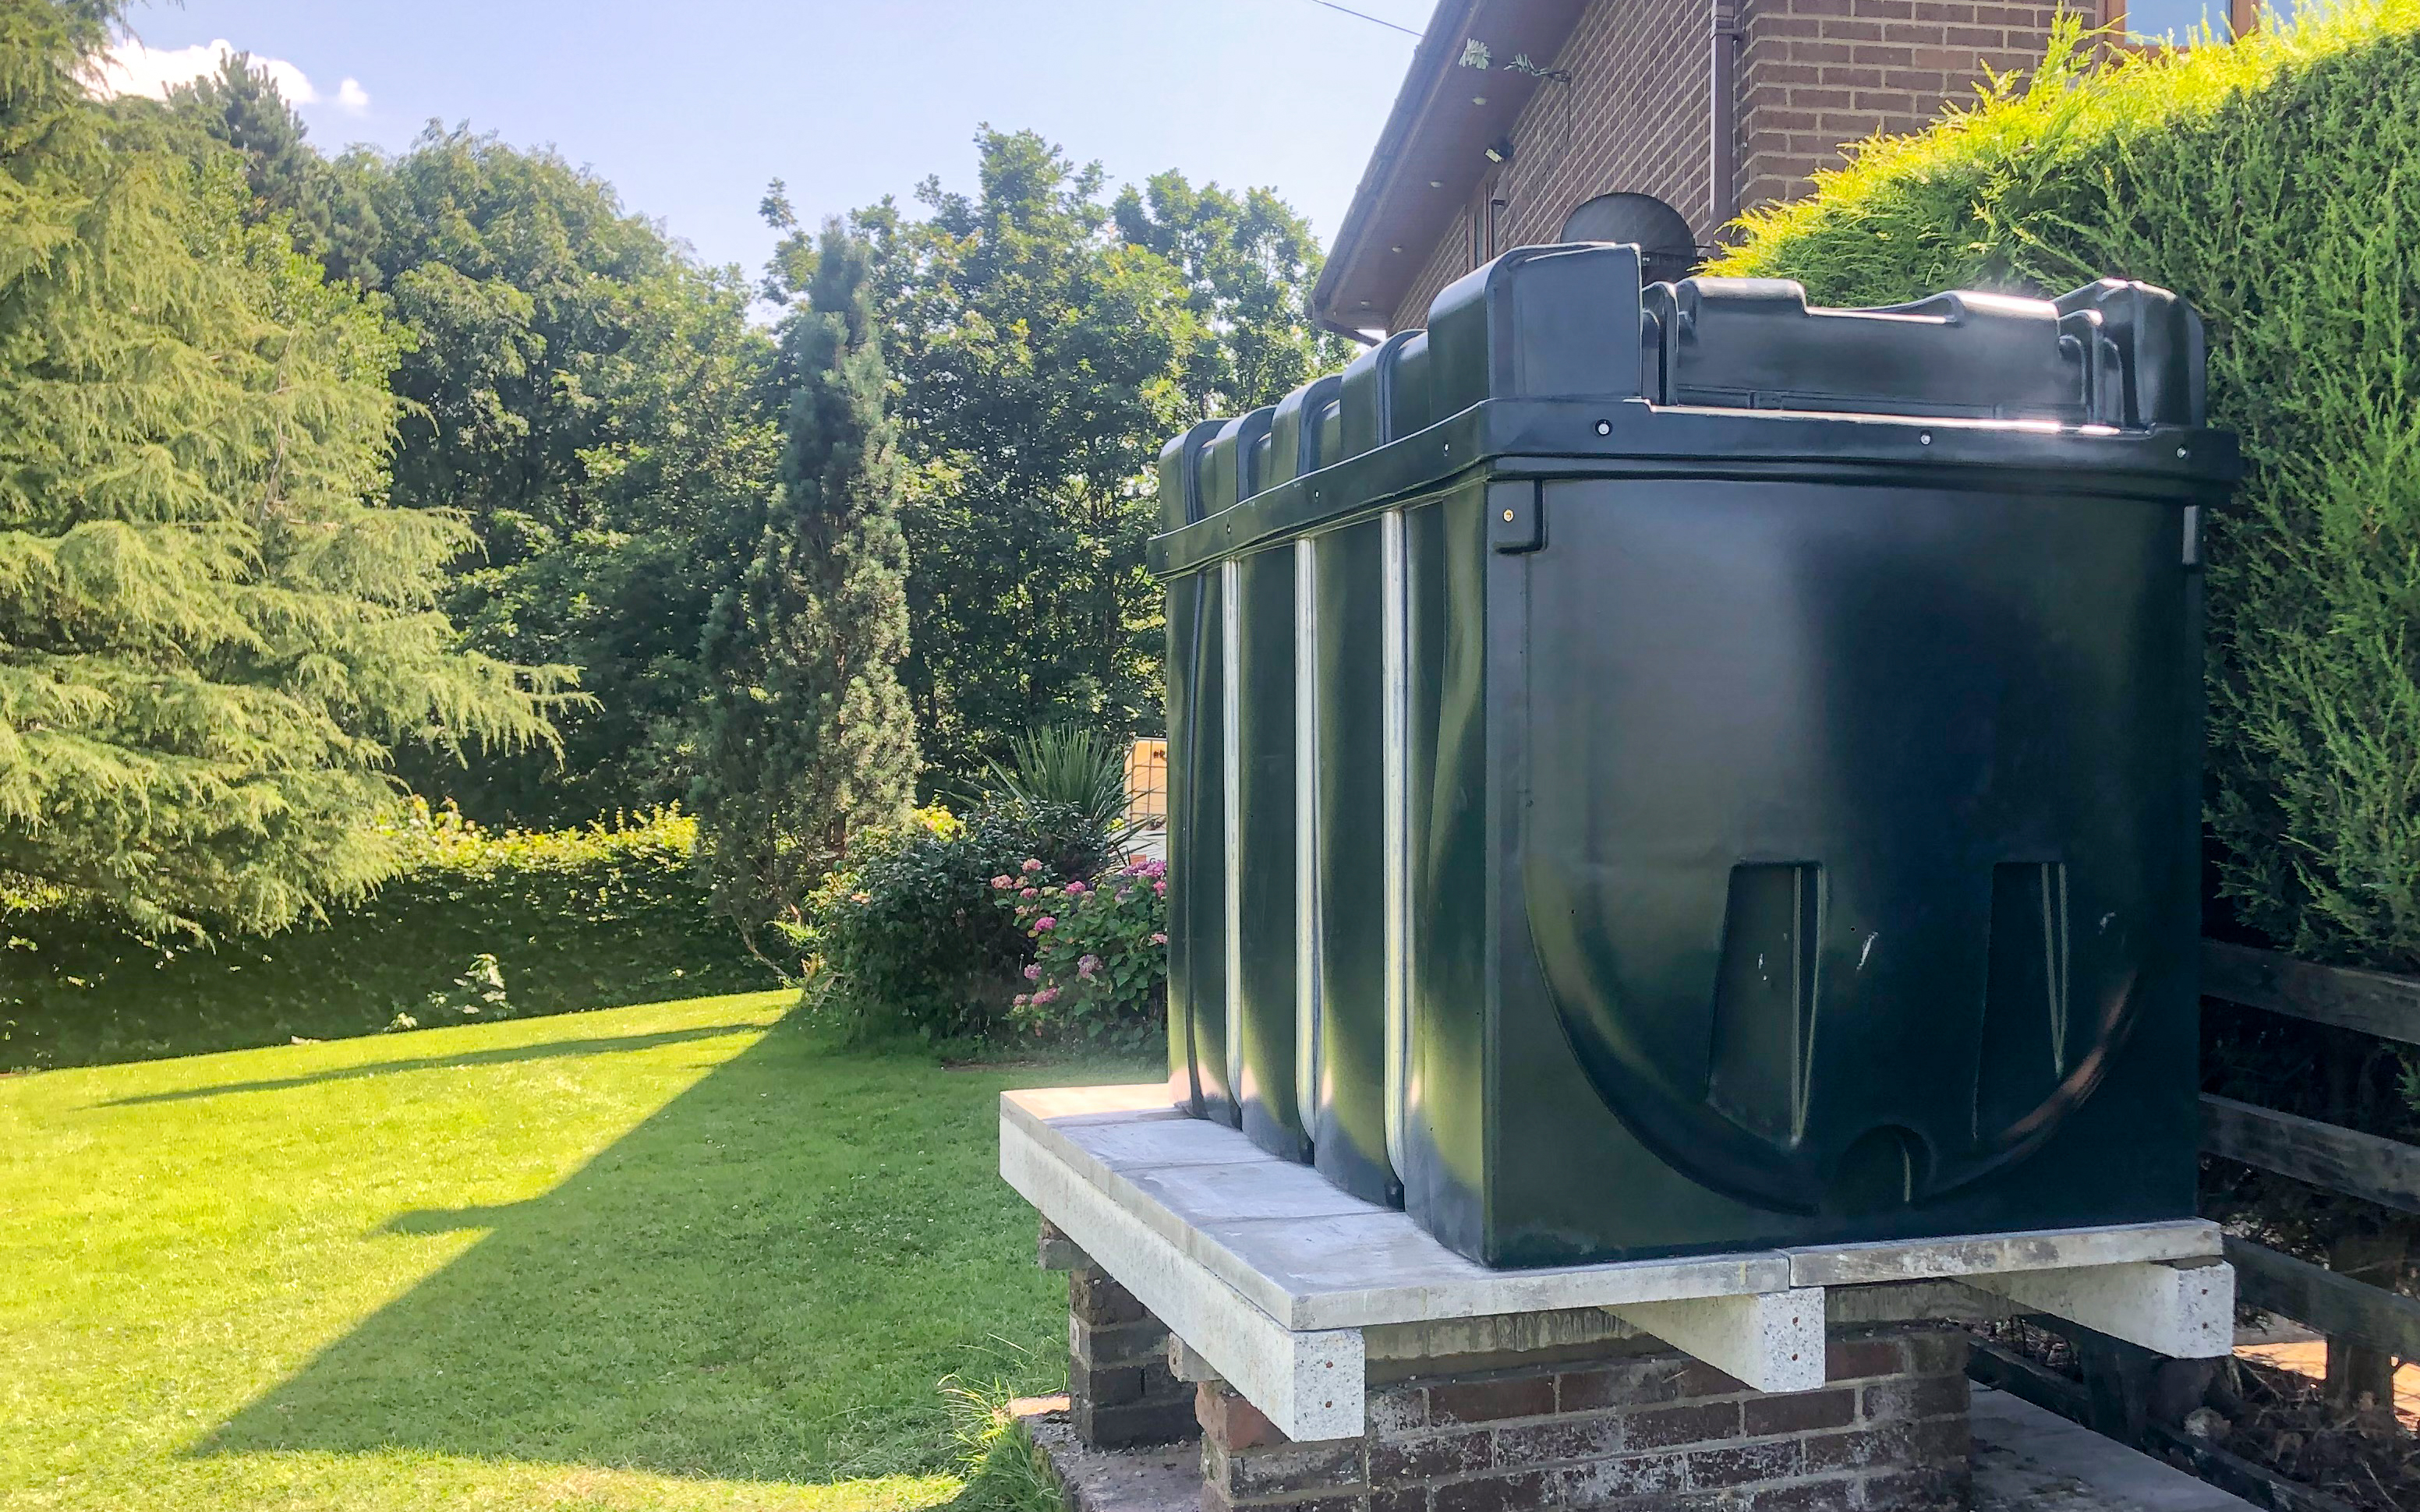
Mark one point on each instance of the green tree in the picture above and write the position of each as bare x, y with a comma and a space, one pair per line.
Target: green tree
211, 637
602, 410
1249, 265
811, 738
328, 212
1039, 362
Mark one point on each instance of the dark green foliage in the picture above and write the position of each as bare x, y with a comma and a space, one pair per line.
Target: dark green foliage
2276, 183
1249, 265
1037, 360
1067, 765
601, 412
909, 935
327, 210
575, 920
810, 738
1044, 344
213, 635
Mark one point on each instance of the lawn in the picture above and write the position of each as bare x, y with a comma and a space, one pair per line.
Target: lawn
688, 1255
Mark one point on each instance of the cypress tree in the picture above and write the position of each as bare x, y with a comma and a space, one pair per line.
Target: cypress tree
810, 736
209, 634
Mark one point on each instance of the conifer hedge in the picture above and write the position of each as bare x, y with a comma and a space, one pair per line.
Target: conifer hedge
480, 924
2275, 182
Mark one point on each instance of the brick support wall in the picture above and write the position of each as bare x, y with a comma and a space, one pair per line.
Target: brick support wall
1628, 1429
1119, 1388
1814, 74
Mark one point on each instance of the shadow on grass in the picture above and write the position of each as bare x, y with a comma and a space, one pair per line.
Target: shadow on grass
765, 1280
503, 1055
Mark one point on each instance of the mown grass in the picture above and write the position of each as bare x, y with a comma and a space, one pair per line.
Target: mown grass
688, 1255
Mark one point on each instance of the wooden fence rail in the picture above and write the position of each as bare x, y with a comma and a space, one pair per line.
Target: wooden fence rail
2383, 1171
2370, 1002
2320, 1298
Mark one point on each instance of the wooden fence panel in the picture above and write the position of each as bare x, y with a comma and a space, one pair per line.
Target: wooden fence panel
2320, 1298
2384, 1171
2370, 1001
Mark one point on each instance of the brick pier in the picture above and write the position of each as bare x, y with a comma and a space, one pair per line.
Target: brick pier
1633, 1427
1618, 1421
1120, 1391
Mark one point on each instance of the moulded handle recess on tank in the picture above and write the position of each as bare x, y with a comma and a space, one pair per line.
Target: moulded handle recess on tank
1180, 475
1296, 431
1231, 462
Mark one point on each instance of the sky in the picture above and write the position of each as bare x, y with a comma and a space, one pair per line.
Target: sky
688, 107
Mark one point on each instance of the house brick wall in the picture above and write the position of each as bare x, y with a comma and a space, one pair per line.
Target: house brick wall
1815, 74
1635, 117
1635, 1429
1812, 75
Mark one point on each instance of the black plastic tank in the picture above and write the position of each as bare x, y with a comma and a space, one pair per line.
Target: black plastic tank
1745, 763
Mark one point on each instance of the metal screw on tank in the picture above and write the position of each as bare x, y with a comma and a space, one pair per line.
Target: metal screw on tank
1605, 427
1508, 517
1924, 438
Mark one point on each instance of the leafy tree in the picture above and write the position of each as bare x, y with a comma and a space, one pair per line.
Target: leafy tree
211, 638
327, 211
810, 738
1249, 265
599, 407
1039, 362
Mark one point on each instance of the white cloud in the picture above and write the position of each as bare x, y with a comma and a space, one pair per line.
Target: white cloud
130, 67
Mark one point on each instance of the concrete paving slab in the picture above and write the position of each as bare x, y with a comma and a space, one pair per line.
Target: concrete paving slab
1232, 1193
2027, 1459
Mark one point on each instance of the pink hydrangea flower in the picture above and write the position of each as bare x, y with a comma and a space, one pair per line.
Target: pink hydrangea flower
1160, 887
1045, 996
1157, 938
1033, 972
1046, 921
1075, 890
1087, 965
1021, 1000
1031, 865
1028, 892
1002, 882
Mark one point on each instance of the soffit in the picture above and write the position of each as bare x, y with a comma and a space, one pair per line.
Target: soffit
1434, 149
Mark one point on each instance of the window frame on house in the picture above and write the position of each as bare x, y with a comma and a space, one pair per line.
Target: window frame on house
2243, 16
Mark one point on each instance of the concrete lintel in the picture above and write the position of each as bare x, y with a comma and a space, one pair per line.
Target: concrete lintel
1445, 1338
1186, 1363
1914, 1302
1966, 1255
2185, 1310
1309, 1384
1771, 1340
